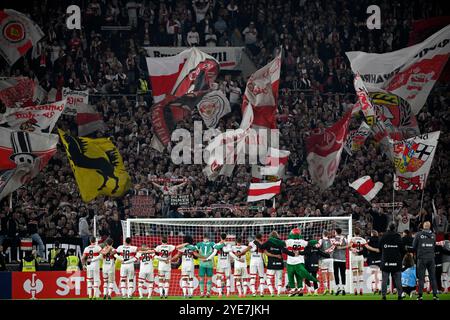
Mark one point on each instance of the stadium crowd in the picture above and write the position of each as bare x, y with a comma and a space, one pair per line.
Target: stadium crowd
315, 90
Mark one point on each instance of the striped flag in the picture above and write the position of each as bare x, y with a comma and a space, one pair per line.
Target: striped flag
19, 34
263, 191
366, 187
88, 120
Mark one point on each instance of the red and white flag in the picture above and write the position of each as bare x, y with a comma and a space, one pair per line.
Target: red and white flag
18, 35
263, 191
261, 94
413, 159
74, 98
22, 156
275, 162
409, 73
364, 100
366, 187
324, 148
164, 73
88, 120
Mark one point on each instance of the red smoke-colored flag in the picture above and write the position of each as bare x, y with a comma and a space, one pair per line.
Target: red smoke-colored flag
263, 191
366, 187
324, 148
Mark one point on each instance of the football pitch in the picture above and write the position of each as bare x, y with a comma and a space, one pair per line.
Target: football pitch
328, 297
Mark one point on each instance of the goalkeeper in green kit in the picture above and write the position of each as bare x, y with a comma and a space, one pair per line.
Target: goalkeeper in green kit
205, 249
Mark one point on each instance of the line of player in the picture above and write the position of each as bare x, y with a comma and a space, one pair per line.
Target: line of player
327, 254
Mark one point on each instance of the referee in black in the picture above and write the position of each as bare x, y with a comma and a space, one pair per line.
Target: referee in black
392, 252
424, 245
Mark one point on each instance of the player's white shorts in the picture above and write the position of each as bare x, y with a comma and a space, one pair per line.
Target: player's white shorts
109, 272
277, 275
146, 275
164, 274
446, 268
241, 271
223, 271
93, 273
127, 271
257, 268
187, 271
326, 265
358, 262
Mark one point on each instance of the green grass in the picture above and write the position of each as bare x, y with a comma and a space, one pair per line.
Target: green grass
348, 297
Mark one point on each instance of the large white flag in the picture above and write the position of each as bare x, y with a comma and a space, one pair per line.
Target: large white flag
412, 160
18, 35
33, 118
409, 73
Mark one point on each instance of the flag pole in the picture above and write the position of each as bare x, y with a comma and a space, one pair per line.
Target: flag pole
421, 201
393, 199
10, 200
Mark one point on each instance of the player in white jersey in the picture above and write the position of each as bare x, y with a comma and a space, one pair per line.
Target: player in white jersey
223, 268
326, 264
91, 263
187, 251
256, 264
357, 245
145, 278
108, 268
240, 267
126, 253
164, 251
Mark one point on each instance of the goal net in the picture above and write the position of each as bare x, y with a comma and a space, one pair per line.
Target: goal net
150, 232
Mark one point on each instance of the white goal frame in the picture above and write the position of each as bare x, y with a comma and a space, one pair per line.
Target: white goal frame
226, 222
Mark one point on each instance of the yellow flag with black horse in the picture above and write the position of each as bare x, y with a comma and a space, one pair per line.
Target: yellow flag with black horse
97, 165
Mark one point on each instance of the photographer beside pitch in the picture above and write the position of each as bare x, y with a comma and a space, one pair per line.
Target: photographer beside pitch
424, 246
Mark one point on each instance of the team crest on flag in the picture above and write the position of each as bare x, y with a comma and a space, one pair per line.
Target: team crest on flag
97, 165
412, 160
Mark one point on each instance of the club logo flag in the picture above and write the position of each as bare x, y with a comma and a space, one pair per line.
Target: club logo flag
193, 82
22, 156
213, 106
89, 120
366, 187
394, 117
324, 149
97, 166
409, 73
261, 93
412, 160
263, 191
18, 35
357, 138
33, 118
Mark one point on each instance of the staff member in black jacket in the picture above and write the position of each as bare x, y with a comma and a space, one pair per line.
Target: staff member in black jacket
392, 252
312, 256
424, 245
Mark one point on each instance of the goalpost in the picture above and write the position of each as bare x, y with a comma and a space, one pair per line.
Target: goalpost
149, 232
